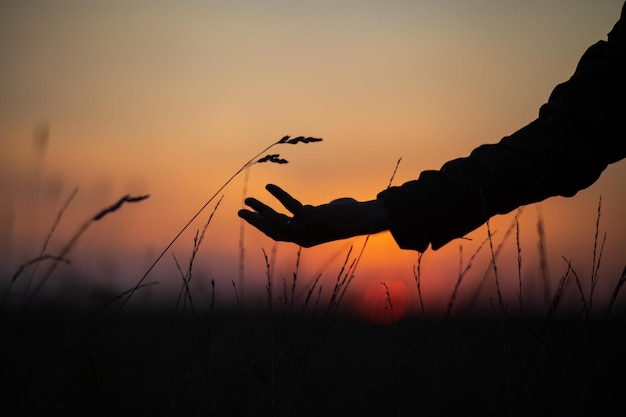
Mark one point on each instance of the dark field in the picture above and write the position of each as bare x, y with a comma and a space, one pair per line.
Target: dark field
59, 361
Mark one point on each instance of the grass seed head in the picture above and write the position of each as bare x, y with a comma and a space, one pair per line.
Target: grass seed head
274, 158
299, 139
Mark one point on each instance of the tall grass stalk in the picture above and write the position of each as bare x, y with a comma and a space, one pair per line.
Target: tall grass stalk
581, 291
595, 264
519, 265
556, 298
310, 293
343, 279
236, 295
256, 159
417, 274
462, 273
543, 257
295, 277
389, 306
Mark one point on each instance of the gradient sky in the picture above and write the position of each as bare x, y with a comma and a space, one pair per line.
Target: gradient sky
172, 98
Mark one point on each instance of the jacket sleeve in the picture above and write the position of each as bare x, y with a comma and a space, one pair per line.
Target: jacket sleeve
578, 132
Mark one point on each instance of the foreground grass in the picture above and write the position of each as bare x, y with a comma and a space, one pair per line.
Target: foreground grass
304, 357
60, 361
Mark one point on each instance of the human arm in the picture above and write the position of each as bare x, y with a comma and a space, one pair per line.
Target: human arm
312, 225
579, 131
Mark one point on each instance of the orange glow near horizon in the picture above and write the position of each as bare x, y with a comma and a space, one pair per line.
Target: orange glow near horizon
171, 99
385, 303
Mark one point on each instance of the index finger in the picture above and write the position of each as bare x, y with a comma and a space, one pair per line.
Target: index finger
290, 203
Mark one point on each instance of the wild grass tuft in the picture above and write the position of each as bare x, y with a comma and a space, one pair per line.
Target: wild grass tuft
462, 273
42, 254
62, 255
494, 256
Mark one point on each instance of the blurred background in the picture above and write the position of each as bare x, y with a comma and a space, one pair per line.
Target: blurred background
172, 98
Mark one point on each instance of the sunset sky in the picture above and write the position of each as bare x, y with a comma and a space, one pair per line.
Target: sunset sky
172, 98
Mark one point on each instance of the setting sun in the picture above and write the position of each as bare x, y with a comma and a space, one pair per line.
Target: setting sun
384, 302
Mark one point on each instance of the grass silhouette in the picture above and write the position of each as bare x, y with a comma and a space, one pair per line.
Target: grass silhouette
61, 256
297, 355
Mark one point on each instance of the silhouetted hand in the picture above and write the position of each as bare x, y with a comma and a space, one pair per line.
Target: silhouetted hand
312, 225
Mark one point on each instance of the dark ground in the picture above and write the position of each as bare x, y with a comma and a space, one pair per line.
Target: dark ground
58, 361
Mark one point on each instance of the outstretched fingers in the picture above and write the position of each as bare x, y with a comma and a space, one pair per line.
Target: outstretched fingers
276, 225
265, 219
265, 211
